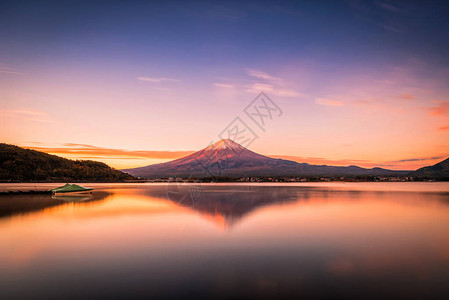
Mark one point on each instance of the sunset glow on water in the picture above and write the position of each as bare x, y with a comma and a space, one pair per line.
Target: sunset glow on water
244, 240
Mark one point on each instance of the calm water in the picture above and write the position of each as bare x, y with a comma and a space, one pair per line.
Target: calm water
315, 241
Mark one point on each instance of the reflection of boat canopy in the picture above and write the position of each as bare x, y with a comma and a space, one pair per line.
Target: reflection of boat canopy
73, 198
71, 189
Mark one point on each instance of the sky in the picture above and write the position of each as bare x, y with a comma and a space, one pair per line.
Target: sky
132, 83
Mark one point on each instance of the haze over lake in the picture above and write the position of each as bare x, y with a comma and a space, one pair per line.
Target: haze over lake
316, 240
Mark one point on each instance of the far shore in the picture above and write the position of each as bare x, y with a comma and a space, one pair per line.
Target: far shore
31, 188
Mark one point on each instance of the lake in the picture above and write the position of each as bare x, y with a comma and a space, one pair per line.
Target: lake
296, 240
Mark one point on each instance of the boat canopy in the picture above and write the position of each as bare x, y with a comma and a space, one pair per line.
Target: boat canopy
70, 188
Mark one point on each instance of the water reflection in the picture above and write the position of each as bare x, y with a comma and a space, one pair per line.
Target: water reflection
282, 242
74, 198
25, 204
226, 205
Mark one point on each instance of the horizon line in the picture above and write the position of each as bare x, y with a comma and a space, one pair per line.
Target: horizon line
85, 151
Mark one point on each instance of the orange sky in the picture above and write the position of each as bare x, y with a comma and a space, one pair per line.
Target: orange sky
370, 122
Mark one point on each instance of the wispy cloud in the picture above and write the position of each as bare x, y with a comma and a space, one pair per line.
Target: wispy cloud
272, 89
417, 159
262, 75
269, 83
287, 93
328, 102
388, 6
157, 79
85, 151
224, 85
258, 87
393, 28
26, 114
11, 71
405, 96
391, 17
225, 13
446, 127
212, 12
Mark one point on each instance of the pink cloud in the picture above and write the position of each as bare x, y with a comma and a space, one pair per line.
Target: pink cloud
27, 114
262, 75
224, 85
157, 79
441, 108
406, 96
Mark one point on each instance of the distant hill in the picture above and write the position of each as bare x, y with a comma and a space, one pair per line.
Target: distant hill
439, 171
228, 158
19, 164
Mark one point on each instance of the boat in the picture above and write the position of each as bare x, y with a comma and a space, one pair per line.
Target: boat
70, 189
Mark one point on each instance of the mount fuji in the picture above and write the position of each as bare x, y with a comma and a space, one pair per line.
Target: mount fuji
228, 158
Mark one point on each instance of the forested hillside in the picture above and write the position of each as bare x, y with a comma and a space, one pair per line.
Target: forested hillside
21, 165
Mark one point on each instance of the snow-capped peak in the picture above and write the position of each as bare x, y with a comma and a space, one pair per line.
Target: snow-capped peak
226, 144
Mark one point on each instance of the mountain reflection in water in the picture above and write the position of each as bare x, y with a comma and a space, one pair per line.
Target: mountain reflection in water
227, 205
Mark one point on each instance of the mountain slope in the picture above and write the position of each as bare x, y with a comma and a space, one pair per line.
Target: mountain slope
439, 171
19, 164
227, 158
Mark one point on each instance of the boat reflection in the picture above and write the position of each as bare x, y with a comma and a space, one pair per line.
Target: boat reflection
74, 198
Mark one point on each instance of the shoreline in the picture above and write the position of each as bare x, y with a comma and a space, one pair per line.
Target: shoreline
10, 189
